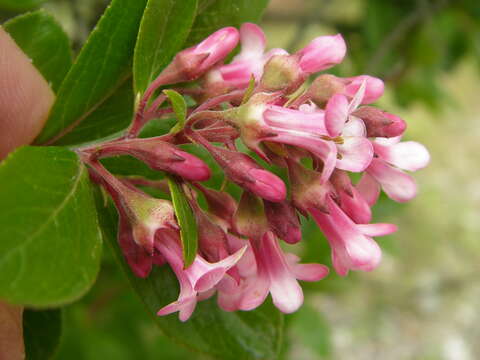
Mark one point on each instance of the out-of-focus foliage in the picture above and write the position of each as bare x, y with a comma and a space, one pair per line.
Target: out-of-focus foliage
408, 43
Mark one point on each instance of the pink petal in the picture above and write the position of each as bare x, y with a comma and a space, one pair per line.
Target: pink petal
252, 39
309, 272
377, 229
407, 155
290, 119
336, 114
356, 207
357, 98
286, 293
354, 127
356, 154
374, 88
397, 185
369, 189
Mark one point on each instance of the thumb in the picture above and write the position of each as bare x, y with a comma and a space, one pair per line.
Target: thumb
25, 97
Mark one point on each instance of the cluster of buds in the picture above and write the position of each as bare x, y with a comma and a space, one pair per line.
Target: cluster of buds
262, 100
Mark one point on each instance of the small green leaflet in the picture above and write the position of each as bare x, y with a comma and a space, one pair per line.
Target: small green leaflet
186, 220
179, 107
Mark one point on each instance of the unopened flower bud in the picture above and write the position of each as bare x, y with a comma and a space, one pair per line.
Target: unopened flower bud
324, 87
282, 73
193, 62
283, 221
159, 155
321, 53
307, 189
374, 87
250, 219
220, 203
245, 172
380, 123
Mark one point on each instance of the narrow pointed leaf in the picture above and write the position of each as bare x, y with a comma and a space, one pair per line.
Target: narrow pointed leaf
102, 66
186, 220
50, 244
164, 29
43, 40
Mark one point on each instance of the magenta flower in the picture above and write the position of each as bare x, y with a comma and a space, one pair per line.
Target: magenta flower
352, 245
250, 60
197, 280
386, 169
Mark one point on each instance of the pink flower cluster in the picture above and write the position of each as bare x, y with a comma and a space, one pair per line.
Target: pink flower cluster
264, 100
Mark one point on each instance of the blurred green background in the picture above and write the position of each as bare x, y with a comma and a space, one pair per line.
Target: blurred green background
422, 302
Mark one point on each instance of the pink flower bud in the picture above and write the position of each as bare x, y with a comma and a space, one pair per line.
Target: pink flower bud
380, 123
321, 53
282, 73
245, 172
221, 204
160, 155
196, 60
283, 220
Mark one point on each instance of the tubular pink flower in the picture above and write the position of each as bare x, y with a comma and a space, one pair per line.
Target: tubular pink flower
397, 185
251, 59
200, 277
352, 249
355, 150
321, 53
406, 155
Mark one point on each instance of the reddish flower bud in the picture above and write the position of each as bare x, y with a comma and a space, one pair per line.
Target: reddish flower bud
245, 172
380, 123
250, 219
307, 188
282, 73
191, 63
283, 221
159, 155
220, 204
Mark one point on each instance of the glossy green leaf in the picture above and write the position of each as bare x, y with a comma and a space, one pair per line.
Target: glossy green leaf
20, 5
41, 333
186, 220
179, 108
215, 14
164, 29
110, 118
50, 244
211, 331
102, 66
40, 36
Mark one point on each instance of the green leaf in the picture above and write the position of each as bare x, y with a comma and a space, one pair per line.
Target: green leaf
40, 36
102, 66
215, 14
20, 5
41, 333
221, 335
164, 28
186, 220
112, 117
179, 106
51, 243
